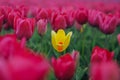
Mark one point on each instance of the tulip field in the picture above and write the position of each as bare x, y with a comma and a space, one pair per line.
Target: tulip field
59, 40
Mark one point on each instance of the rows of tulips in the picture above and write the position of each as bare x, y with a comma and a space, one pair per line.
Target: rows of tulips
18, 62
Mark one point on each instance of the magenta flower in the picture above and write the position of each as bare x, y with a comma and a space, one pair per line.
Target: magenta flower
81, 15
94, 17
24, 27
104, 71
42, 14
19, 63
65, 65
58, 21
42, 26
108, 24
101, 55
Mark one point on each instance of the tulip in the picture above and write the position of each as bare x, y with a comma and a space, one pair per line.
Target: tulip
104, 71
81, 16
9, 46
69, 16
58, 21
118, 38
79, 27
65, 66
23, 10
108, 24
60, 41
18, 63
94, 17
101, 55
24, 27
42, 26
12, 15
5, 11
1, 20
23, 67
42, 14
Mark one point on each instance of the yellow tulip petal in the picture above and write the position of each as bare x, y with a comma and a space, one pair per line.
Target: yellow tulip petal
60, 36
67, 40
53, 35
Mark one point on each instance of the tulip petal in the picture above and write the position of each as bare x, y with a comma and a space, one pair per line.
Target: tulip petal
53, 34
67, 40
60, 36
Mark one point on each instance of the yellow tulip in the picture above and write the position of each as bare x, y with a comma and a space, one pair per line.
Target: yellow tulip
60, 41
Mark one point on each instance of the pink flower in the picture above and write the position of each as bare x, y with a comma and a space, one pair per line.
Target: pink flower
1, 20
118, 38
101, 55
42, 14
5, 10
19, 63
78, 26
104, 71
94, 17
64, 67
9, 46
24, 27
81, 15
108, 24
11, 17
28, 67
58, 21
69, 16
42, 26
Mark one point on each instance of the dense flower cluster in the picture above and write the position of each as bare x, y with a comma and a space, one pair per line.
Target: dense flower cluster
24, 18
17, 62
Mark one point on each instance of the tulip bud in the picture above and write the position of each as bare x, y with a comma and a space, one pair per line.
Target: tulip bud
81, 16
108, 25
42, 26
94, 17
104, 71
79, 27
65, 65
58, 22
42, 14
11, 17
24, 27
1, 21
101, 55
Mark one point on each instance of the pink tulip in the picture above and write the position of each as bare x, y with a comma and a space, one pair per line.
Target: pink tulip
24, 27
1, 20
104, 71
65, 65
11, 17
101, 55
42, 26
58, 21
81, 15
20, 63
108, 24
78, 26
42, 14
94, 17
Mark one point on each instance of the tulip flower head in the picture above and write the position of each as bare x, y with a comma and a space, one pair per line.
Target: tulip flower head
60, 41
64, 67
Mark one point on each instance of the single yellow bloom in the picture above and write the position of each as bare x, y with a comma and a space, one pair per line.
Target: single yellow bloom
60, 41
